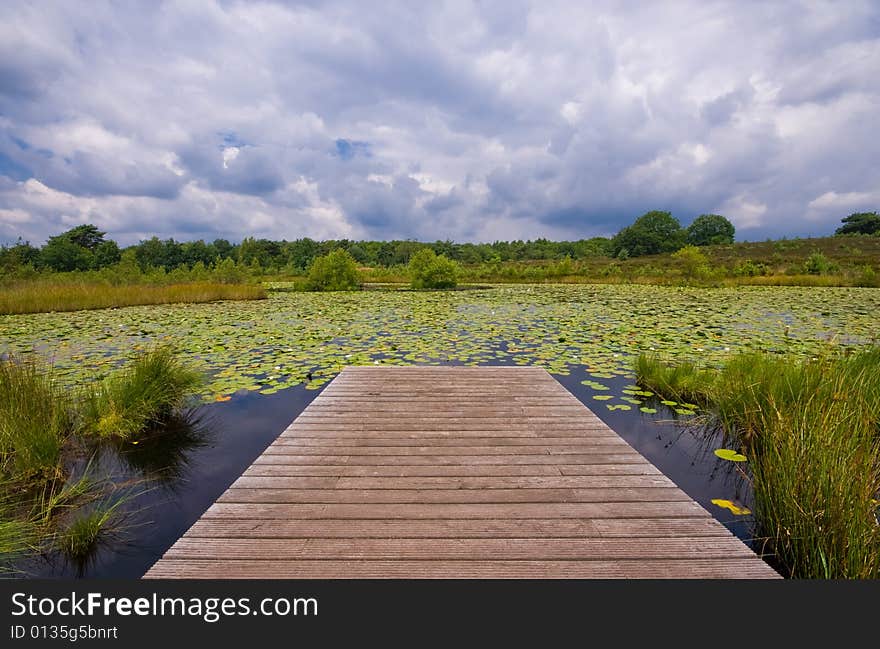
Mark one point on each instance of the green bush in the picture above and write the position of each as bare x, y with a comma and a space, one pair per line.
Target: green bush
868, 278
749, 268
694, 264
429, 270
818, 264
336, 271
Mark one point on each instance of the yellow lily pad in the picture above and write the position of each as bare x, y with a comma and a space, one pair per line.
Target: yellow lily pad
727, 454
732, 506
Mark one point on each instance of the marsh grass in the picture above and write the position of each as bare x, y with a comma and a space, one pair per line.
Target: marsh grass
87, 528
811, 431
42, 297
43, 432
144, 393
35, 418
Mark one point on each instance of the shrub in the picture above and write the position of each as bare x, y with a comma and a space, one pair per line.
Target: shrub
749, 268
429, 270
818, 264
868, 278
336, 271
694, 264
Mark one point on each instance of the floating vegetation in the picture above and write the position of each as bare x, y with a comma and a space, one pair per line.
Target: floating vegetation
739, 510
269, 345
727, 454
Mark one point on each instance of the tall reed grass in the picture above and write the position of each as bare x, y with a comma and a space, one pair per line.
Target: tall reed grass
811, 432
35, 419
42, 297
142, 394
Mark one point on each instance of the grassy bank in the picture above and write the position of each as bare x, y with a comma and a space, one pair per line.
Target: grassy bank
44, 431
811, 433
42, 297
829, 261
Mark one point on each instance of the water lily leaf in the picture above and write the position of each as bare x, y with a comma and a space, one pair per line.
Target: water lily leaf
222, 397
732, 506
727, 454
602, 397
650, 411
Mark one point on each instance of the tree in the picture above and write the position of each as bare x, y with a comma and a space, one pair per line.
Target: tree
63, 255
106, 254
86, 236
652, 233
430, 270
17, 256
860, 223
709, 230
336, 271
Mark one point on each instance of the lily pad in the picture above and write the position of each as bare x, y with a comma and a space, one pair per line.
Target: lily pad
739, 510
728, 454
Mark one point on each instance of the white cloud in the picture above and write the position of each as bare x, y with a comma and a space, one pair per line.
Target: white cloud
458, 120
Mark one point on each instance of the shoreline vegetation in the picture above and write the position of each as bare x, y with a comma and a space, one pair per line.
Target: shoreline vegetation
81, 269
807, 434
49, 296
52, 499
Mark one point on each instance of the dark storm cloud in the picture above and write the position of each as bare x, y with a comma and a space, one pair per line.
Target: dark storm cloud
466, 120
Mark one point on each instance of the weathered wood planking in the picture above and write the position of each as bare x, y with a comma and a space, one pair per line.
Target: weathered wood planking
454, 472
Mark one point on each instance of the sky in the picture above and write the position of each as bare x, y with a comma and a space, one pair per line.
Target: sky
464, 120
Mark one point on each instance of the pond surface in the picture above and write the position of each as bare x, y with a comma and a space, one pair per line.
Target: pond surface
257, 355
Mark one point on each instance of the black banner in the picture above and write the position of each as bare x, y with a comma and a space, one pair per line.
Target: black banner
240, 613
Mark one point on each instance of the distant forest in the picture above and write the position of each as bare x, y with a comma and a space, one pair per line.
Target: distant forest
85, 247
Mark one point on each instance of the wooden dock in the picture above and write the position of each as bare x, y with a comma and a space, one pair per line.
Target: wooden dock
454, 472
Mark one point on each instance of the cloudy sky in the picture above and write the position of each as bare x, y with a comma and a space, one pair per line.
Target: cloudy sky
471, 120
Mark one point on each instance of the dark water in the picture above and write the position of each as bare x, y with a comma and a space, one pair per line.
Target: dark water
177, 475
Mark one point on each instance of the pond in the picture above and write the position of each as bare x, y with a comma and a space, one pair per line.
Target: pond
257, 356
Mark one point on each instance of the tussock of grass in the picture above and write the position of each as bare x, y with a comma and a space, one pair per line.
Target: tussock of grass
44, 297
145, 393
35, 419
83, 534
811, 431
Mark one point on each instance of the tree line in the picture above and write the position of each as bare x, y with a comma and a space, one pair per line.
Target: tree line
85, 247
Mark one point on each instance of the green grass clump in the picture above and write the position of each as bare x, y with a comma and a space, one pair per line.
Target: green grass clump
35, 419
83, 534
145, 393
811, 431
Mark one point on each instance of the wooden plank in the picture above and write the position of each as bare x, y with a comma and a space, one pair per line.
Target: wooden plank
445, 510
740, 568
302, 450
471, 549
454, 472
456, 528
469, 460
494, 482
428, 496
